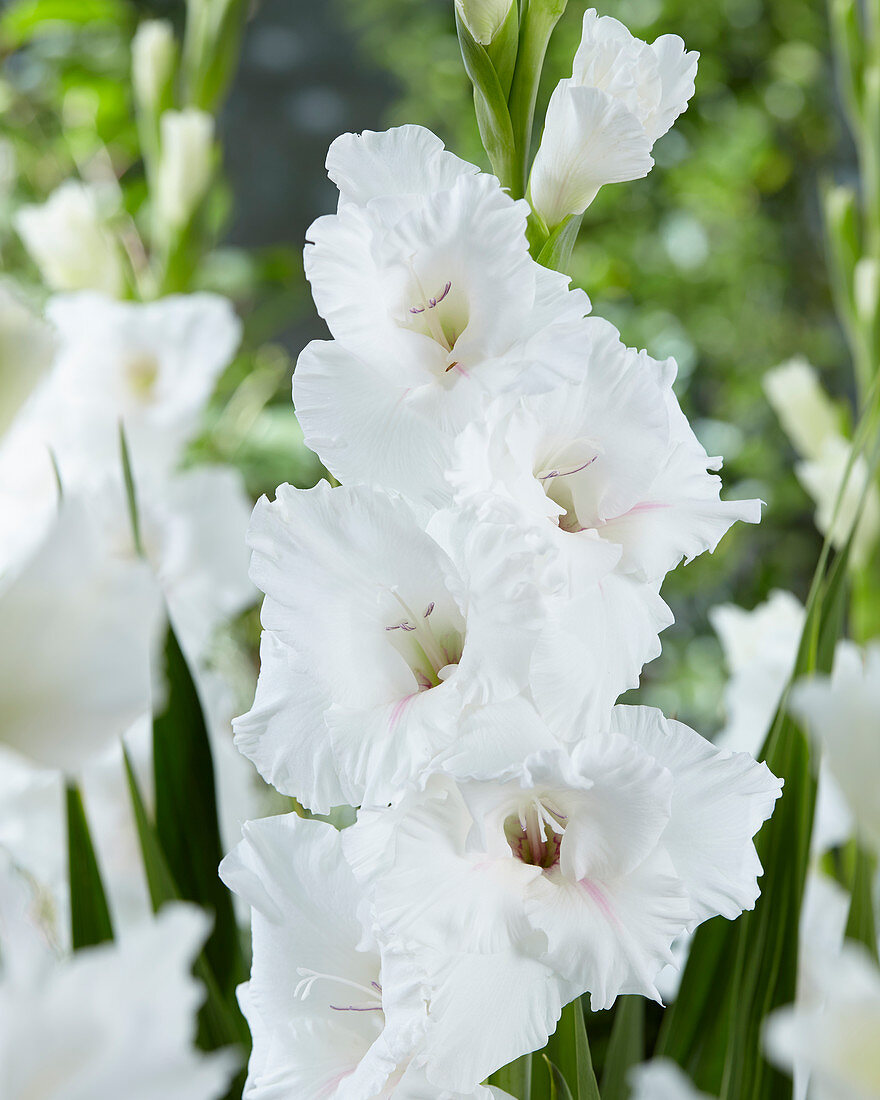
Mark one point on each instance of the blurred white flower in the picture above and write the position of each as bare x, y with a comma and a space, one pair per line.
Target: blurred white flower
813, 423
842, 712
404, 632
807, 414
823, 477
589, 864
116, 1020
760, 647
483, 18
151, 367
153, 53
601, 124
435, 306
78, 626
333, 1015
662, 1079
834, 1038
69, 241
26, 349
186, 165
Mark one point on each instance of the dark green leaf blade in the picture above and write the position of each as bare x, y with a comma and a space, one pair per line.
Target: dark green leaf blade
569, 1050
515, 1078
90, 922
186, 812
626, 1047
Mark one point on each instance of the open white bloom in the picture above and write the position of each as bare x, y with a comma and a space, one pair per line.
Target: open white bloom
68, 240
151, 366
611, 454
662, 1079
435, 305
186, 165
26, 349
483, 18
333, 1015
116, 1020
403, 633
590, 863
607, 465
602, 123
834, 1038
842, 712
78, 626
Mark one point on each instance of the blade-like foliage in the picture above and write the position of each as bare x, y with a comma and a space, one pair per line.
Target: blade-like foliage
90, 922
186, 812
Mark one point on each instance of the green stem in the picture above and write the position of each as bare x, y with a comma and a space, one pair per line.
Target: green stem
539, 19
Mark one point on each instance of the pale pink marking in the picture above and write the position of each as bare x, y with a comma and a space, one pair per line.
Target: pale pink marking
399, 707
644, 506
599, 898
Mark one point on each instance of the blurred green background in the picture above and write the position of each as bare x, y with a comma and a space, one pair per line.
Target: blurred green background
715, 258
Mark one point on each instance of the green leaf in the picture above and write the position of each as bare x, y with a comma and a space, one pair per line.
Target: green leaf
626, 1047
90, 922
559, 1089
539, 18
556, 251
491, 106
860, 924
220, 1023
515, 1078
569, 1049
186, 812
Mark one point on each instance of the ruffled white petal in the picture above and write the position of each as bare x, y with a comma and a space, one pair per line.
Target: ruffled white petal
402, 161
720, 800
590, 139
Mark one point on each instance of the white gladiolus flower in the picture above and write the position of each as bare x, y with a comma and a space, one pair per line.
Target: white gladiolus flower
611, 455
152, 61
835, 1037
435, 306
589, 863
26, 349
841, 710
404, 633
483, 18
333, 1015
602, 123
186, 165
150, 366
662, 1079
116, 1020
77, 629
807, 414
67, 239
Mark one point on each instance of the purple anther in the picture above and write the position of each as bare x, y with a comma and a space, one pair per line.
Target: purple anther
430, 608
376, 985
417, 309
356, 1008
407, 626
568, 473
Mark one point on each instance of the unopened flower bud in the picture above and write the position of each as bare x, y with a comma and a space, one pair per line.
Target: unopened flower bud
807, 414
186, 165
152, 63
483, 18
